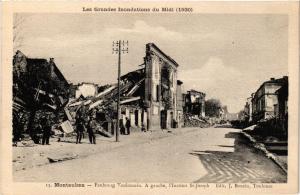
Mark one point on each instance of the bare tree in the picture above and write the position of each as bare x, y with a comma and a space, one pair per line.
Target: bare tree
18, 21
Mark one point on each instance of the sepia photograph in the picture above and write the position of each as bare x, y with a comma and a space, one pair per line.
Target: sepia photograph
198, 101
150, 97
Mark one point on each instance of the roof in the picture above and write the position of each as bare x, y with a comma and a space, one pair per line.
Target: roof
35, 61
194, 91
59, 74
280, 81
135, 75
160, 51
32, 62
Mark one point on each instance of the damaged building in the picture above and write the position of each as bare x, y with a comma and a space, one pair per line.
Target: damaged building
148, 96
160, 88
151, 96
39, 89
194, 109
194, 103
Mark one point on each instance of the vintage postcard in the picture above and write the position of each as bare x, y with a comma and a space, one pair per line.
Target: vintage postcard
149, 97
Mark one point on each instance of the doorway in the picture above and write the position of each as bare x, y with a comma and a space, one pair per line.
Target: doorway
163, 119
136, 118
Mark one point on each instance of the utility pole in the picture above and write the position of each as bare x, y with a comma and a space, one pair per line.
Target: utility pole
118, 48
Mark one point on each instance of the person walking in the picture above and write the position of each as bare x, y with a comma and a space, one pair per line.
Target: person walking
46, 130
91, 130
143, 128
17, 129
128, 125
79, 130
122, 128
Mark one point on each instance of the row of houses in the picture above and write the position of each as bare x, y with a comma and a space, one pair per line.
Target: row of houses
270, 101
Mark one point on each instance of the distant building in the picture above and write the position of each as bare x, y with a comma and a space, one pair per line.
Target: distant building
232, 116
248, 110
224, 113
86, 90
281, 108
195, 103
265, 98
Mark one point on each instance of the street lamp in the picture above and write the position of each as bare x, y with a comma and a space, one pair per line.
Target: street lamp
118, 48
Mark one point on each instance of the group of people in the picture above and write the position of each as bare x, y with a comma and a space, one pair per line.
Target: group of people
89, 127
83, 124
40, 134
127, 125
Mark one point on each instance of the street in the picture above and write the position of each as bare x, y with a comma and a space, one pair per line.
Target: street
204, 155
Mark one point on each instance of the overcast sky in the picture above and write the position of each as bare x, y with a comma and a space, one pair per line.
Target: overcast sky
225, 56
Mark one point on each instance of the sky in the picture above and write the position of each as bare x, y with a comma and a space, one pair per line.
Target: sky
227, 56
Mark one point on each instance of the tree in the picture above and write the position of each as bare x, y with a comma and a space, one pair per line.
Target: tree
18, 21
213, 107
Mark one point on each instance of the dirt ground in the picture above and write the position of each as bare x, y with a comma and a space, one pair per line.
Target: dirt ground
211, 155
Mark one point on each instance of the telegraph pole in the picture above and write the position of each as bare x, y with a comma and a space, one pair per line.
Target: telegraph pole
118, 50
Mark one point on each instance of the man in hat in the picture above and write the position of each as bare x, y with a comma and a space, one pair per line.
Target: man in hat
46, 130
79, 130
91, 128
128, 125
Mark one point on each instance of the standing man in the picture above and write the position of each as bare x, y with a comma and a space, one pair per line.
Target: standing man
79, 129
122, 128
17, 128
46, 130
128, 125
91, 127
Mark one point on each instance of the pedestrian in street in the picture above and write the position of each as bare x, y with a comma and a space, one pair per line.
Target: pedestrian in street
91, 127
128, 125
122, 128
17, 128
79, 130
143, 128
46, 130
81, 116
36, 132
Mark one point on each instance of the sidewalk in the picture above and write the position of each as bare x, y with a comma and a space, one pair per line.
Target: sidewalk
281, 161
26, 157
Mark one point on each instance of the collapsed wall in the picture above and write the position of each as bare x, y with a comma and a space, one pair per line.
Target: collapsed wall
39, 90
194, 121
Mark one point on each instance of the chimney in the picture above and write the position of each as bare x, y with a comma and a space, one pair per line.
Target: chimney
51, 60
272, 79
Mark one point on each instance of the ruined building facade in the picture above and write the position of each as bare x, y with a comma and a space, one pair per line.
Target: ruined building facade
160, 88
194, 103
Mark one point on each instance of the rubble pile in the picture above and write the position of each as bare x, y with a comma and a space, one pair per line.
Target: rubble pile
194, 121
39, 90
103, 104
